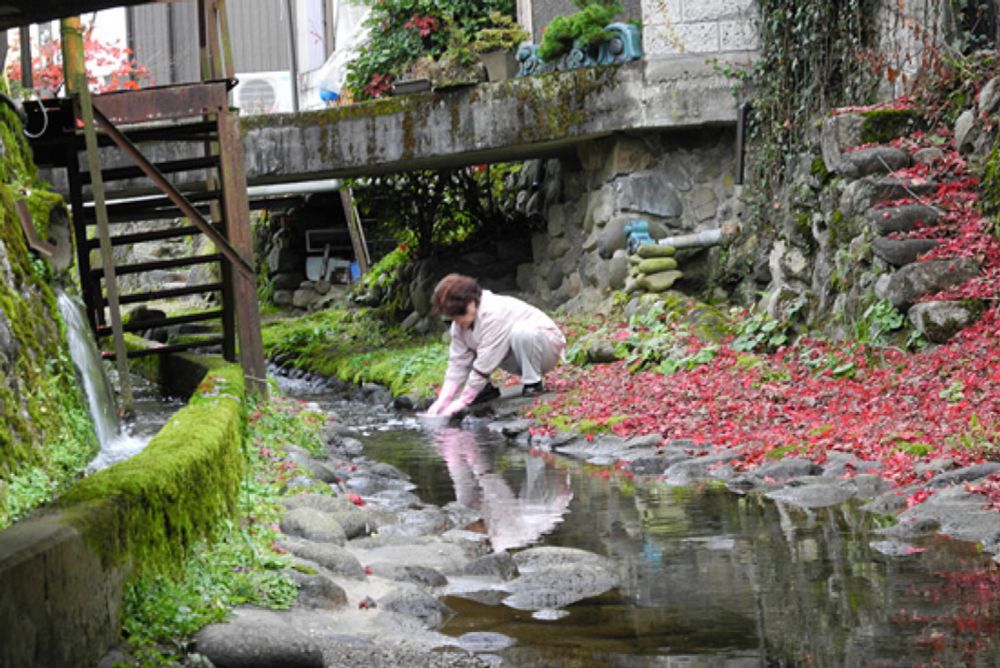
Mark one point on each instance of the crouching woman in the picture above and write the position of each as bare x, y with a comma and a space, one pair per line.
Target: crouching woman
490, 331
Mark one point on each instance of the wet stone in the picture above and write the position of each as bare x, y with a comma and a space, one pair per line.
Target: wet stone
319, 592
418, 604
558, 586
314, 525
894, 548
789, 467
255, 639
499, 565
484, 641
967, 474
699, 468
866, 485
335, 559
388, 471
819, 495
418, 575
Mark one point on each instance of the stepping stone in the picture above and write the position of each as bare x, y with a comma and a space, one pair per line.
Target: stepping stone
905, 218
258, 638
558, 586
901, 252
875, 160
418, 604
819, 495
910, 283
314, 525
863, 194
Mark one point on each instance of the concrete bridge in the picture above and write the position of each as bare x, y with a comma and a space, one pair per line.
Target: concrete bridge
507, 121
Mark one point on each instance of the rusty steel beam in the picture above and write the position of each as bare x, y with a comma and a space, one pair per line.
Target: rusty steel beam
236, 214
235, 257
43, 248
163, 103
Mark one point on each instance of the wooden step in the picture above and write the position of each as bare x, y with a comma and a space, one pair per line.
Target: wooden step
171, 167
157, 265
152, 235
155, 295
105, 330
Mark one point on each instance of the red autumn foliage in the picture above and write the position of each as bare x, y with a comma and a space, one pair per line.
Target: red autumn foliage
895, 408
119, 69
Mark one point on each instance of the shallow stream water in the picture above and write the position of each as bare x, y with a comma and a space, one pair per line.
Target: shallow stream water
708, 578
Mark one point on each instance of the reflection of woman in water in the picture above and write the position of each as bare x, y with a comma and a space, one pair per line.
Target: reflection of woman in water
511, 521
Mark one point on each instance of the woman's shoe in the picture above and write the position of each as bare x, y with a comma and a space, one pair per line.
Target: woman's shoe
532, 389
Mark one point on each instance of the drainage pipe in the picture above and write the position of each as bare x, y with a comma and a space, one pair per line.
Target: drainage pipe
704, 239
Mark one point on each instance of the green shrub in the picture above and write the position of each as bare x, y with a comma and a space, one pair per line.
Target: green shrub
586, 26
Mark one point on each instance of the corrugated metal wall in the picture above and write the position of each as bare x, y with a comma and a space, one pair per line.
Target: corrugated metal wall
165, 37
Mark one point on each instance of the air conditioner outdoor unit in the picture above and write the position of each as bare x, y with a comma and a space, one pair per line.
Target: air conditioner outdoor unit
263, 93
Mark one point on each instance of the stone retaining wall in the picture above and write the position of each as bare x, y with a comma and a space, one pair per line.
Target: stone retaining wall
62, 573
676, 182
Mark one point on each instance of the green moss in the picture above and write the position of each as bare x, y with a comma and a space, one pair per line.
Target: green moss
147, 511
818, 168
882, 125
45, 435
357, 347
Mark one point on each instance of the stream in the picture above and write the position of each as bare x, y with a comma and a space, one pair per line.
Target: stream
708, 578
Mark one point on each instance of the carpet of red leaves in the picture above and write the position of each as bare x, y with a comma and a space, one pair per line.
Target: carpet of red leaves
897, 408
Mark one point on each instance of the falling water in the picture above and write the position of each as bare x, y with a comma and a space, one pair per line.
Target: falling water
115, 444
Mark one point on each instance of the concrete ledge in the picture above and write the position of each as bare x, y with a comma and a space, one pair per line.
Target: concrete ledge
506, 121
62, 573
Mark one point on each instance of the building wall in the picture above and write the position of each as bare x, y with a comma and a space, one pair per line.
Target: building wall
698, 26
165, 38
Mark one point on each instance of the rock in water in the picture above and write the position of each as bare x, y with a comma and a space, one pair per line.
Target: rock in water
558, 586
657, 264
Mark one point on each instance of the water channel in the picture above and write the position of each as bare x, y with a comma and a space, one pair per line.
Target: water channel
708, 578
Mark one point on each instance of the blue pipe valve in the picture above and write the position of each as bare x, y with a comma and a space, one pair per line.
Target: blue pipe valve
637, 234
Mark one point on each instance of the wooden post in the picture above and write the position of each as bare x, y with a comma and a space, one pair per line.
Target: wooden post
75, 73
27, 75
236, 211
354, 229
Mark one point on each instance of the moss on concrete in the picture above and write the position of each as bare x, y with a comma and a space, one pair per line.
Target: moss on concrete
146, 512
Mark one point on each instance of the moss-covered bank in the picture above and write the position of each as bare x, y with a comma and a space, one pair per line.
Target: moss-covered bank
357, 347
146, 512
46, 436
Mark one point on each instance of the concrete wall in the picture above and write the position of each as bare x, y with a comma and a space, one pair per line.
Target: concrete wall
60, 595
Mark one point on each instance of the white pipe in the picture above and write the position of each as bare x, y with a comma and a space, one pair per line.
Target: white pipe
702, 239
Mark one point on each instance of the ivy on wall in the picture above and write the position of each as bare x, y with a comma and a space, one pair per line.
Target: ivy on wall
812, 58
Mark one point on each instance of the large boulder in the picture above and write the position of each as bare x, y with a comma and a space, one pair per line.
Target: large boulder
910, 283
939, 321
876, 160
648, 193
905, 218
314, 525
901, 252
258, 639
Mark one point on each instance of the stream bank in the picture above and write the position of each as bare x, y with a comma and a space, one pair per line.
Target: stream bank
602, 564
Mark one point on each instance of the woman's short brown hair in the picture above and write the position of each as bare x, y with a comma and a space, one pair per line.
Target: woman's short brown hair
453, 294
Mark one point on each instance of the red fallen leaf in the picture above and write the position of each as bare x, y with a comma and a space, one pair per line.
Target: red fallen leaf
912, 549
275, 528
368, 570
355, 499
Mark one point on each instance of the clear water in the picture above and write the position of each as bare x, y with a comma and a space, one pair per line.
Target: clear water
709, 578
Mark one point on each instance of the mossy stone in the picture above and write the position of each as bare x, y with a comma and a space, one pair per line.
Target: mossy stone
654, 250
660, 282
657, 264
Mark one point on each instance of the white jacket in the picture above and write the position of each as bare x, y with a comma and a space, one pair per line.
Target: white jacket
479, 350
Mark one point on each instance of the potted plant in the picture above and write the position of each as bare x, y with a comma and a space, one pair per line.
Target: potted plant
497, 45
586, 28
